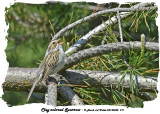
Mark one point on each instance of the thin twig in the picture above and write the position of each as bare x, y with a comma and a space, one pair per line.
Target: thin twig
101, 7
119, 24
52, 27
121, 36
94, 11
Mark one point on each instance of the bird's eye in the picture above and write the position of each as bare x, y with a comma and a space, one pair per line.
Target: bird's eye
53, 43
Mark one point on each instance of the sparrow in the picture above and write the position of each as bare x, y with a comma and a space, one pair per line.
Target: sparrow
52, 63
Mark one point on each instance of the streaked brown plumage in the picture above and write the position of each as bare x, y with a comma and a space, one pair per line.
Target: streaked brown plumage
52, 63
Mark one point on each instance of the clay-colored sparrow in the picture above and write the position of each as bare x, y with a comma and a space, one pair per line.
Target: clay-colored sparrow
52, 63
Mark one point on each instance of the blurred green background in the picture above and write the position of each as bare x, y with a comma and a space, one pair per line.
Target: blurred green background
30, 32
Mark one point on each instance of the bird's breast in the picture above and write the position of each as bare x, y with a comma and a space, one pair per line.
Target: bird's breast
61, 60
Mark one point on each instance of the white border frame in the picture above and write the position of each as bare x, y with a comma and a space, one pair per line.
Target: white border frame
149, 107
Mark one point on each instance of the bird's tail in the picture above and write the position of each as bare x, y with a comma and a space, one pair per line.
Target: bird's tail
31, 91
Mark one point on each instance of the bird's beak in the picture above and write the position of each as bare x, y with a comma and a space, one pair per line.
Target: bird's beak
60, 42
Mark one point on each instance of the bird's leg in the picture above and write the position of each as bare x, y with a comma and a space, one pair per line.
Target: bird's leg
64, 79
58, 78
55, 77
44, 82
50, 78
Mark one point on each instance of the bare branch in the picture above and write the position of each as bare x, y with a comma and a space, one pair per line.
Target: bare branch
69, 95
21, 79
119, 24
83, 40
136, 8
64, 91
51, 95
121, 35
107, 48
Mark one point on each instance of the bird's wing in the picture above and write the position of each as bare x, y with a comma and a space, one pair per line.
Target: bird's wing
49, 63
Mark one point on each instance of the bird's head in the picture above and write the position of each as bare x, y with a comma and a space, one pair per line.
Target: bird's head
55, 44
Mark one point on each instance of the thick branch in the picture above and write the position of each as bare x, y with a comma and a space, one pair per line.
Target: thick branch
105, 49
21, 79
70, 95
51, 94
64, 91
